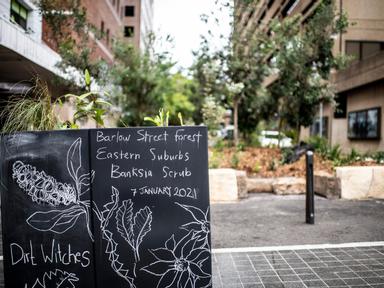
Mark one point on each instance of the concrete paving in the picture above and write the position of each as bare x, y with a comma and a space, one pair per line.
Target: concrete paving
269, 220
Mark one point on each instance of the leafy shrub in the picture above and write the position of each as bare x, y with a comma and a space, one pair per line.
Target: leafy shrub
256, 168
235, 160
214, 160
378, 157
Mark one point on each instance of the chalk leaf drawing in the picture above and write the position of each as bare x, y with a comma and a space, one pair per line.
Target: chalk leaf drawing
55, 279
111, 249
64, 199
200, 223
179, 264
133, 229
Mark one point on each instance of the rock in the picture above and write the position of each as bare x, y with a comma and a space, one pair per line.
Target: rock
260, 185
326, 185
223, 185
242, 191
359, 182
289, 186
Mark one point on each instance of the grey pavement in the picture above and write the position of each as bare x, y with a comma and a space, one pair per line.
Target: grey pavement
269, 220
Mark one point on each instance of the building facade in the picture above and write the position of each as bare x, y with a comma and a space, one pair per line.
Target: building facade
357, 120
26, 49
138, 20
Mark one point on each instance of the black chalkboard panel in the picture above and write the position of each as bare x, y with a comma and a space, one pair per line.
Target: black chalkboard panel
46, 209
152, 207
106, 208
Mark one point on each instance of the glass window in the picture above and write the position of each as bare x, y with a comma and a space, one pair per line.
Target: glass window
19, 14
129, 31
352, 48
129, 11
369, 49
364, 124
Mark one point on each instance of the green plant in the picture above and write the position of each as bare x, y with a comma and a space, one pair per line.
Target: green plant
256, 168
379, 157
286, 155
334, 153
272, 165
87, 105
353, 156
162, 119
32, 111
235, 160
241, 146
214, 160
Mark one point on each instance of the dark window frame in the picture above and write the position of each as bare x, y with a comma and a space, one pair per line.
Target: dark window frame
362, 135
129, 11
17, 17
129, 31
360, 43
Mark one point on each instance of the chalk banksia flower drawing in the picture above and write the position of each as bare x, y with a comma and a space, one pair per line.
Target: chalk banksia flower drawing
64, 198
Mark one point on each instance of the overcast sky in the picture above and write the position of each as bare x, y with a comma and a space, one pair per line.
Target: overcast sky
181, 20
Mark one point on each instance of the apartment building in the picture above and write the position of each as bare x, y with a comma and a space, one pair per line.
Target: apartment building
138, 20
357, 120
26, 49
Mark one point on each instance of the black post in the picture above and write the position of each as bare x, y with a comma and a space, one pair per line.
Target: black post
310, 196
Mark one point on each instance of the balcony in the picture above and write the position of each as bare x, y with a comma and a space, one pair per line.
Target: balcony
22, 56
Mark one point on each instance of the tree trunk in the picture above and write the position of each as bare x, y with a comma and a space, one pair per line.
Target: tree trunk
236, 121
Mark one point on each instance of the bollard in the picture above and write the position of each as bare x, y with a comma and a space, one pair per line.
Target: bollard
310, 195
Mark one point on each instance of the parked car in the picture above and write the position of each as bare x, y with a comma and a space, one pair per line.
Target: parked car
271, 138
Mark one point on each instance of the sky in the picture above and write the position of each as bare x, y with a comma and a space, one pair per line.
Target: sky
181, 20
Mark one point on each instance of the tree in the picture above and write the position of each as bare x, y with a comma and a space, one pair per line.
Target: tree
304, 62
69, 33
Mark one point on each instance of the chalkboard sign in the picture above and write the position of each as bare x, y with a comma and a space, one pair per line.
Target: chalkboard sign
46, 210
123, 207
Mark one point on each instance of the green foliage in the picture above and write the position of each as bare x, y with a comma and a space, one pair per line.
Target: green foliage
147, 83
161, 120
69, 32
379, 157
214, 160
235, 160
256, 168
272, 165
87, 105
286, 155
213, 114
33, 111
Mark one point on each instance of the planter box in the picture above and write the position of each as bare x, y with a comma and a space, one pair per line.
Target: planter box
127, 207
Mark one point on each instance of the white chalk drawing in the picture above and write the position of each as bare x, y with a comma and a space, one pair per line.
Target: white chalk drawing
64, 199
180, 264
200, 224
111, 250
133, 229
55, 279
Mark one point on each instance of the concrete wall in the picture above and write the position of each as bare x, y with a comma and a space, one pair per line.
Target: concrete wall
368, 19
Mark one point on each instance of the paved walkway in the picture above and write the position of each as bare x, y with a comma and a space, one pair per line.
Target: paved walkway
270, 220
337, 266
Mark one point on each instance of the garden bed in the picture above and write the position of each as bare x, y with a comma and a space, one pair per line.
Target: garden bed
267, 162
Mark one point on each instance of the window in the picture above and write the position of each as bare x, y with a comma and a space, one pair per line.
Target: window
19, 14
341, 106
364, 124
107, 36
129, 31
361, 50
102, 28
314, 129
129, 11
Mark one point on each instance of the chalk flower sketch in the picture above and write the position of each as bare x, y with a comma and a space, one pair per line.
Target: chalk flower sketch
179, 264
105, 216
133, 229
56, 279
200, 223
63, 199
